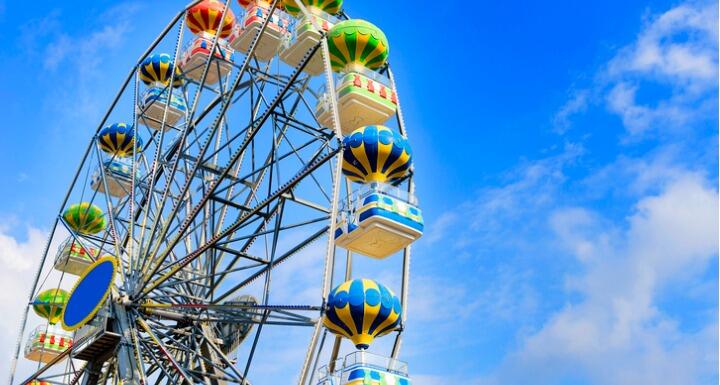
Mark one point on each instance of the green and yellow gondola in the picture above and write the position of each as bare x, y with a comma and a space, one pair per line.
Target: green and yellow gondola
357, 43
85, 218
49, 304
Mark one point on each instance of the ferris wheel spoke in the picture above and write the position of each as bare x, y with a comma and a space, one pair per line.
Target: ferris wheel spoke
254, 189
238, 153
273, 161
229, 189
317, 162
241, 252
207, 276
195, 355
303, 244
261, 233
162, 349
317, 183
156, 171
287, 186
219, 353
223, 109
118, 250
157, 361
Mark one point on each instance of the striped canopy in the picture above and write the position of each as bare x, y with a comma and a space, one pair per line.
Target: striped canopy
362, 309
205, 17
356, 43
376, 154
50, 303
118, 140
85, 218
157, 68
328, 6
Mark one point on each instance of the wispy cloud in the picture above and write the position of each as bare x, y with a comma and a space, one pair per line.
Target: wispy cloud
676, 50
618, 334
678, 45
74, 60
592, 249
577, 103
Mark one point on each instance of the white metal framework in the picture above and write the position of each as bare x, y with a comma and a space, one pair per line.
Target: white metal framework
224, 195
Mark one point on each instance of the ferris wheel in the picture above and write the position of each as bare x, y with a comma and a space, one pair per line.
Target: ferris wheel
245, 172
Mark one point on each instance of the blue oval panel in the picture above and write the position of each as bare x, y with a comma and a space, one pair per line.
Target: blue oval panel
89, 294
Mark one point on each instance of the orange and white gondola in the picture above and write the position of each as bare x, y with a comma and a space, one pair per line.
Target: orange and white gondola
204, 20
277, 30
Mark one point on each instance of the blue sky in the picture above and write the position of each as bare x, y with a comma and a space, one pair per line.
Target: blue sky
566, 161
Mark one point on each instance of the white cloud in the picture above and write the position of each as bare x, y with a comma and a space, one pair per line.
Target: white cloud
678, 50
439, 227
84, 50
80, 56
607, 324
638, 118
528, 188
617, 334
643, 175
680, 44
675, 51
577, 103
19, 259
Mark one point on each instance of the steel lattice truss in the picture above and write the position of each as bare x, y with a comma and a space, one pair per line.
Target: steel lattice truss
249, 167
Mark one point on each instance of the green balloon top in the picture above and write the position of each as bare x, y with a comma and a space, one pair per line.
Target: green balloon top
50, 303
357, 43
328, 6
85, 218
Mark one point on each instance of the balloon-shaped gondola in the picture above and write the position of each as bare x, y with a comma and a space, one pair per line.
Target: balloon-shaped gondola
50, 303
158, 68
262, 3
362, 309
357, 43
376, 154
277, 30
118, 139
206, 17
85, 218
364, 96
159, 103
